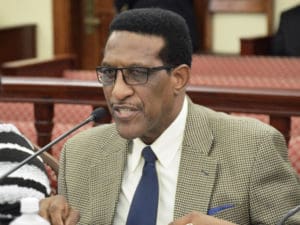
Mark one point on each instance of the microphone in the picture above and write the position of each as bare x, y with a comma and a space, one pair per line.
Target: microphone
288, 215
96, 115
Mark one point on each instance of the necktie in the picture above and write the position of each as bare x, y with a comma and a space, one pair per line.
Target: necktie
143, 209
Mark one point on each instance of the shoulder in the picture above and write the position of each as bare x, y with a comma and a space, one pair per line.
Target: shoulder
291, 13
102, 131
234, 127
238, 137
99, 134
99, 137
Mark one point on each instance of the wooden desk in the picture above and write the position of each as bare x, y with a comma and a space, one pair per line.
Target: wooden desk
280, 105
264, 85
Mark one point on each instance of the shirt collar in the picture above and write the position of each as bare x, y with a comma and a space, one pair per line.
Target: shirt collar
166, 145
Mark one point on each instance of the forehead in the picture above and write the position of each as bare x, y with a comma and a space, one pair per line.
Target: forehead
125, 47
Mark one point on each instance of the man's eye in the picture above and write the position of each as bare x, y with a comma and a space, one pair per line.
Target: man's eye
137, 71
108, 71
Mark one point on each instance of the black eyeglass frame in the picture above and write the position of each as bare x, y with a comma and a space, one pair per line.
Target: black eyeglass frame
148, 71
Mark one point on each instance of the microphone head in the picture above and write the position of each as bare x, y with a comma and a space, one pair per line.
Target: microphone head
98, 114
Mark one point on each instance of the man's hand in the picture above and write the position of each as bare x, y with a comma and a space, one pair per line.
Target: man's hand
58, 212
197, 218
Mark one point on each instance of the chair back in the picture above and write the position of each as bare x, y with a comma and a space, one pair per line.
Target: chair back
50, 161
51, 165
205, 10
17, 42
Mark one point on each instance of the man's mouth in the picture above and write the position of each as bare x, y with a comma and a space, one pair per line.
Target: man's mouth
124, 113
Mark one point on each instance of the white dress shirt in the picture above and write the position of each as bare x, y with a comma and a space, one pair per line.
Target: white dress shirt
167, 148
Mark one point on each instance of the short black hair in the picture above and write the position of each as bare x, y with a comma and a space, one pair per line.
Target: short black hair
164, 23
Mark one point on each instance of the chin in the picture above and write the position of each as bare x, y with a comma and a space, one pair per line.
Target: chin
128, 132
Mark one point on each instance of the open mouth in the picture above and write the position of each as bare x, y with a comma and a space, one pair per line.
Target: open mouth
124, 113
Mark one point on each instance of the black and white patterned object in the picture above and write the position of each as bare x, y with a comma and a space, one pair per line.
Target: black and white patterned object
31, 180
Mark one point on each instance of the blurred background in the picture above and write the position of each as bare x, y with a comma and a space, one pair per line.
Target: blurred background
55, 16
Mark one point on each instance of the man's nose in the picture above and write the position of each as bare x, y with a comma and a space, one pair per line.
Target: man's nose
121, 90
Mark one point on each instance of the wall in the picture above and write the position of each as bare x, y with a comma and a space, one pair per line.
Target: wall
16, 12
227, 28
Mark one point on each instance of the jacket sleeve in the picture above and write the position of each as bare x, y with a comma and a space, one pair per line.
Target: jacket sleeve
274, 185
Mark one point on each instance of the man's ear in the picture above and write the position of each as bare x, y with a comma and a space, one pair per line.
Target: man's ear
180, 77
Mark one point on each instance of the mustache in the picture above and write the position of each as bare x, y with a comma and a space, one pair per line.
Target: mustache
125, 105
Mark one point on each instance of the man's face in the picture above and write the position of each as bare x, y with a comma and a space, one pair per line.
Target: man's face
143, 110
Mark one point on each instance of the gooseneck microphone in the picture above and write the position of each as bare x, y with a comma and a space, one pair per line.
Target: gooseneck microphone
96, 115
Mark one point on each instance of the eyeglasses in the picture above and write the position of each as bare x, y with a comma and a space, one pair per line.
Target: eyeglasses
131, 75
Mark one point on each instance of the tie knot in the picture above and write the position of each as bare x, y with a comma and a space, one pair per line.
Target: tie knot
149, 155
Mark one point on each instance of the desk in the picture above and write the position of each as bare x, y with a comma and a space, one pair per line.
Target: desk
280, 105
236, 82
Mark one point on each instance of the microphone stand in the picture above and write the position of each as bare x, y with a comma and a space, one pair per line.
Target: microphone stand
46, 147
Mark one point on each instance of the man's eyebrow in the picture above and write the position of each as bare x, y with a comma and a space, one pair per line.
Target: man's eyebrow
137, 65
126, 66
105, 64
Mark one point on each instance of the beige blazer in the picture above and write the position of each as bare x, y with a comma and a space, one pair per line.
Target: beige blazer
225, 160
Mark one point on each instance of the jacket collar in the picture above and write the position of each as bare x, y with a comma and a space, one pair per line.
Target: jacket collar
197, 171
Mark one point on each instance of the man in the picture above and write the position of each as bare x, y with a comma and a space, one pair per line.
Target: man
286, 40
212, 168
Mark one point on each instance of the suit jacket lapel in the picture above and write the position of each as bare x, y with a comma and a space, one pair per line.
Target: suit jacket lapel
197, 171
105, 181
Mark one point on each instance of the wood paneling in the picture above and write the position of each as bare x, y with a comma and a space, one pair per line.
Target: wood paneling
205, 9
17, 42
70, 26
53, 67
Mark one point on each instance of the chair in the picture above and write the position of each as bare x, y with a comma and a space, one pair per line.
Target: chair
17, 42
285, 42
52, 166
205, 9
35, 67
256, 45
